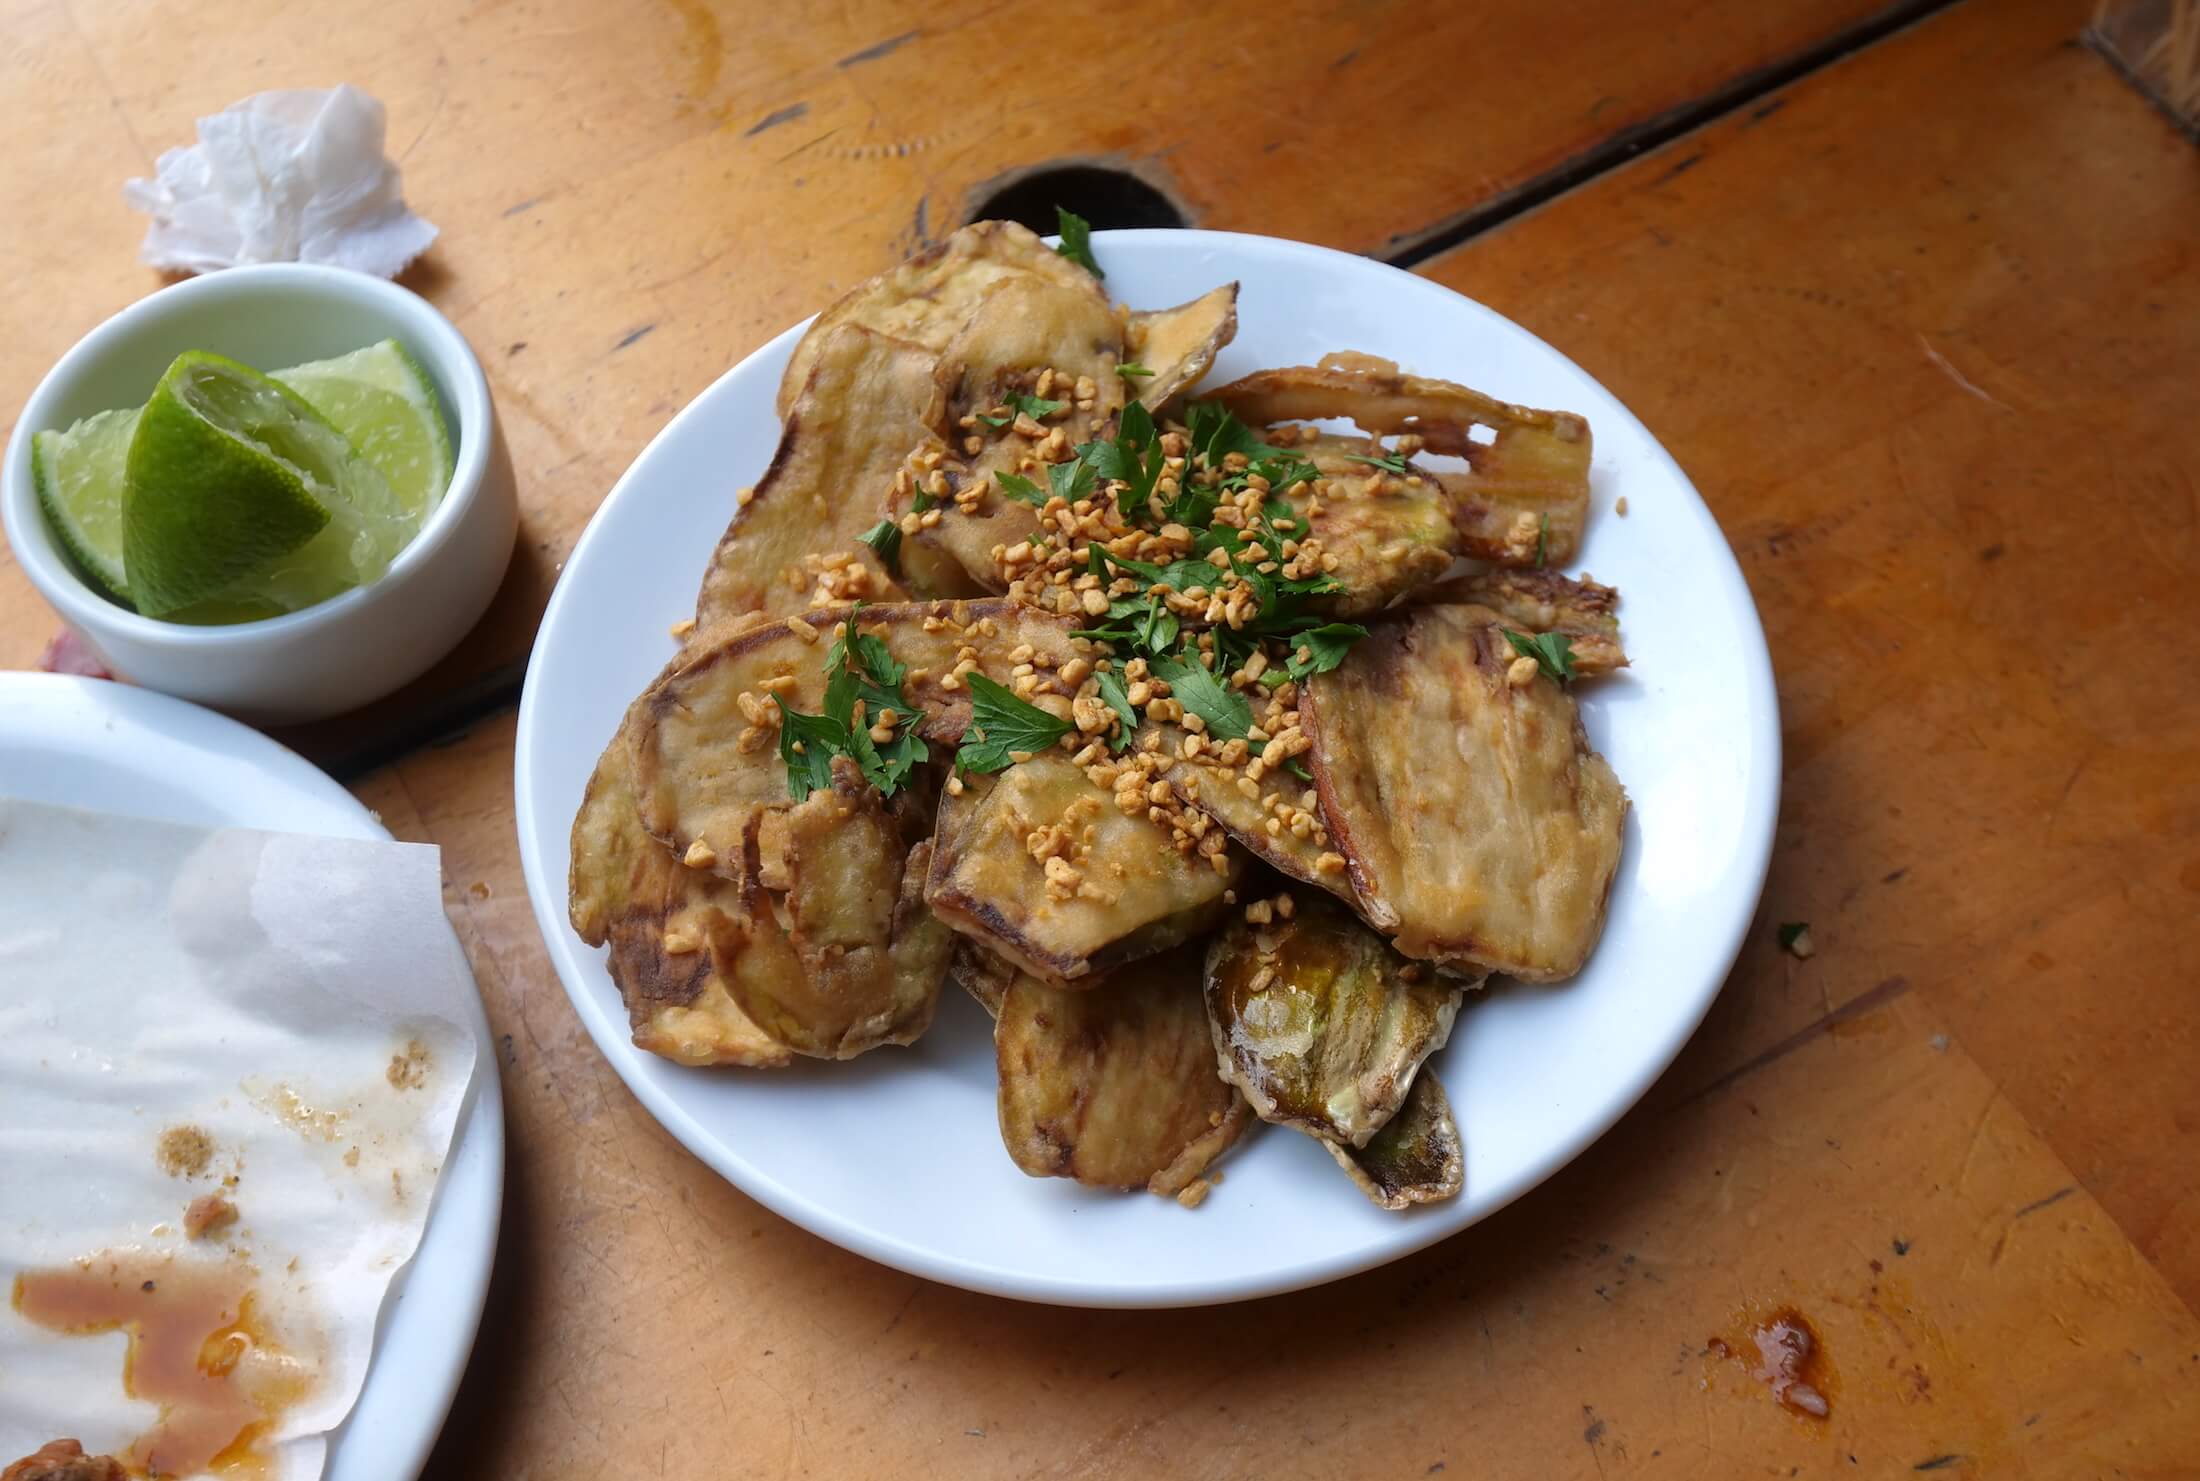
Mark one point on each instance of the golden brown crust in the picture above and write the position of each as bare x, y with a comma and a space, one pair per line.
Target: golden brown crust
1526, 499
1102, 887
1415, 1158
1114, 1088
1179, 345
834, 953
1026, 327
1542, 601
1319, 1022
1478, 826
702, 775
929, 297
854, 421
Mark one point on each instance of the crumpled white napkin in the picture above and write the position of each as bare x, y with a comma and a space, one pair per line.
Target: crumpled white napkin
294, 176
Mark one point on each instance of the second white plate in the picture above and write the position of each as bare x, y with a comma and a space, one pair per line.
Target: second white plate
897, 1155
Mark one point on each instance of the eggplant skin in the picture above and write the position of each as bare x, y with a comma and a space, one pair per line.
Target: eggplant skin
1114, 1088
659, 918
1136, 894
1319, 1022
1179, 345
1478, 827
1415, 1158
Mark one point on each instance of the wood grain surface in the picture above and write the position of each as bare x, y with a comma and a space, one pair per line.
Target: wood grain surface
1923, 327
635, 196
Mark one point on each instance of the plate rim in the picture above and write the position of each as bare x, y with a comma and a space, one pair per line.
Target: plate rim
481, 1115
1760, 811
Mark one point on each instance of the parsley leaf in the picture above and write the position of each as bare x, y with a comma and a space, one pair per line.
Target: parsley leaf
809, 769
1127, 369
1070, 481
1031, 406
1542, 533
1229, 715
1792, 931
1388, 465
1327, 645
1119, 700
1022, 489
923, 500
1077, 240
859, 667
884, 538
1553, 652
1000, 723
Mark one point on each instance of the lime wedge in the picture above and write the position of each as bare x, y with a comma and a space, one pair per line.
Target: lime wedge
379, 400
382, 401
79, 478
238, 488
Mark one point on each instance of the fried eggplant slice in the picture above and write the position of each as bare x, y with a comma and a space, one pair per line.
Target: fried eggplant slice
1390, 533
1026, 328
1213, 789
1535, 601
1524, 500
852, 424
983, 974
706, 764
659, 918
834, 952
1179, 345
1319, 1022
1478, 826
1040, 866
1415, 1158
927, 299
1114, 1088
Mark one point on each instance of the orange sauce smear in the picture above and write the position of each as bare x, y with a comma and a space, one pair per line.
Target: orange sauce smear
191, 1329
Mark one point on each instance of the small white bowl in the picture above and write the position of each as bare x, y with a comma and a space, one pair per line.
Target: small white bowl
354, 647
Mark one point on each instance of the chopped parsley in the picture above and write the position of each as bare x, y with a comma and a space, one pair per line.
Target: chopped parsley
1076, 240
1032, 406
858, 666
884, 538
1227, 713
1325, 647
1542, 534
1388, 464
1127, 369
1118, 699
1003, 727
1553, 652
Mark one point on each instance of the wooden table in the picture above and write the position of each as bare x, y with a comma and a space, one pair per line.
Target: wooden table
1913, 294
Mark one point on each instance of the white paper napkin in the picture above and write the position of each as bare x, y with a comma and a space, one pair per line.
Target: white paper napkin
295, 176
289, 1003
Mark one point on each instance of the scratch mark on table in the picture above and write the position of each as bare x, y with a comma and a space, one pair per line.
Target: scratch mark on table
2048, 1202
1346, 60
632, 335
1759, 115
1962, 380
775, 118
528, 204
879, 49
1681, 168
1978, 1136
799, 148
1856, 1007
1939, 1463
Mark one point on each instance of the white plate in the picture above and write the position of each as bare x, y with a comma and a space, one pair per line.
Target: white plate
90, 743
897, 1156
